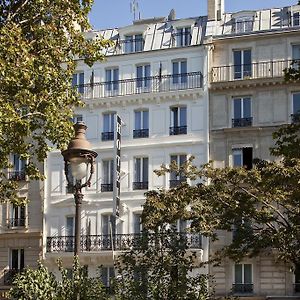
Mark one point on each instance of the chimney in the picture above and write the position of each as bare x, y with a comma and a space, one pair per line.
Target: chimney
215, 9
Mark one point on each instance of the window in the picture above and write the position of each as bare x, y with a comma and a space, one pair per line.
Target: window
17, 216
107, 273
176, 177
242, 64
108, 126
183, 36
297, 279
108, 176
296, 56
16, 265
106, 230
243, 279
141, 124
296, 19
178, 120
137, 223
179, 72
134, 43
112, 81
69, 232
241, 112
243, 24
143, 79
18, 171
77, 118
140, 173
78, 81
296, 108
243, 157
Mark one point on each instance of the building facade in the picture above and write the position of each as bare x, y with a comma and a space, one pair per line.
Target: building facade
155, 79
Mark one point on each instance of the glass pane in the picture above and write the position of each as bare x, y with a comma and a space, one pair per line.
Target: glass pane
145, 119
116, 78
137, 170
138, 42
139, 75
237, 108
137, 226
246, 108
173, 175
70, 226
187, 36
145, 169
21, 259
183, 67
296, 103
182, 225
175, 72
138, 119
238, 275
174, 116
106, 122
15, 212
237, 62
247, 273
22, 212
237, 158
15, 259
105, 224
81, 83
147, 74
105, 172
182, 159
296, 51
104, 276
128, 43
182, 116
112, 122
74, 80
247, 63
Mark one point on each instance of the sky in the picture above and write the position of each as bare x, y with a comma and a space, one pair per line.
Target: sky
116, 13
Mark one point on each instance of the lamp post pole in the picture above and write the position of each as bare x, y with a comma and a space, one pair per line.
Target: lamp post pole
78, 196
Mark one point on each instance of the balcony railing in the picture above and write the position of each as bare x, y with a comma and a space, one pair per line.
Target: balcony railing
141, 185
176, 182
242, 122
264, 69
242, 288
140, 133
9, 276
107, 136
17, 175
151, 84
106, 187
96, 243
16, 222
176, 130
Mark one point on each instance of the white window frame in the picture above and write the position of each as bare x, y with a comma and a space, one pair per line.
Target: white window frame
108, 179
112, 84
180, 79
20, 250
110, 273
242, 63
142, 112
76, 81
112, 119
143, 82
12, 209
241, 24
172, 117
181, 33
243, 272
132, 43
178, 155
141, 158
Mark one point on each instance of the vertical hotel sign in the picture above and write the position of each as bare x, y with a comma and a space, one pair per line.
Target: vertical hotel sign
117, 168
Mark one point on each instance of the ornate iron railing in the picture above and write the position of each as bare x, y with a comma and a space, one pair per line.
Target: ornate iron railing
96, 243
9, 275
242, 122
242, 288
106, 187
17, 175
140, 133
176, 130
107, 136
176, 182
264, 69
151, 84
16, 222
141, 185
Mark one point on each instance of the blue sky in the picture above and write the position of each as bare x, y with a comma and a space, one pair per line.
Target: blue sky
116, 13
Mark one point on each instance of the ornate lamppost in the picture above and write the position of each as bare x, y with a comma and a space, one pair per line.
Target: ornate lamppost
79, 160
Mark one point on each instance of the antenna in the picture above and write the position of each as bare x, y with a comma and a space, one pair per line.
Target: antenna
134, 7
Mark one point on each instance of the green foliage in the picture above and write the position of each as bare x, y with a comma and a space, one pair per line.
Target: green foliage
40, 284
39, 40
158, 267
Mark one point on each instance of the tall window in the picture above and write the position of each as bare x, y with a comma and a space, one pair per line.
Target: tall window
242, 112
177, 177
107, 274
242, 64
183, 36
296, 19
141, 124
137, 223
180, 72
17, 216
243, 157
108, 126
112, 80
18, 171
296, 56
243, 283
108, 174
243, 24
134, 43
178, 120
140, 173
16, 264
143, 79
296, 108
78, 81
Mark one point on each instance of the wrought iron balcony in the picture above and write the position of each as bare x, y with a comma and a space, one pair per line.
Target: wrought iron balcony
16, 222
257, 70
176, 182
140, 185
295, 118
107, 136
106, 187
176, 130
9, 275
140, 133
17, 175
242, 288
242, 122
151, 84
98, 243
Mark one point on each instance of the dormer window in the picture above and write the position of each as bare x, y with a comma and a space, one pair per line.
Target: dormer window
133, 43
243, 24
296, 19
183, 36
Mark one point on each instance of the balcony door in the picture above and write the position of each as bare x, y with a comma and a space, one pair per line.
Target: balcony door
143, 79
178, 120
112, 81
243, 282
179, 73
17, 216
242, 112
242, 61
140, 173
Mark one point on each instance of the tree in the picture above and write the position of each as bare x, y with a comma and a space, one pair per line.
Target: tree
159, 266
261, 204
41, 284
40, 41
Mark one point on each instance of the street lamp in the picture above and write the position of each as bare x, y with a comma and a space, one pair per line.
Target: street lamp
79, 160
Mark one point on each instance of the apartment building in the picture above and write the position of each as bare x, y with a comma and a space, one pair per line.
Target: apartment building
155, 79
248, 101
20, 227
